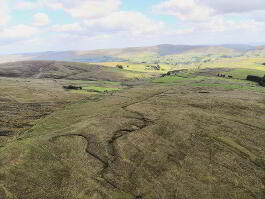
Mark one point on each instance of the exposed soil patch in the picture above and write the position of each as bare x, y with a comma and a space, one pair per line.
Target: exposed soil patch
16, 118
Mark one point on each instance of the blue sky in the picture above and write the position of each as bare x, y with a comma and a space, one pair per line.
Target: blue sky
44, 25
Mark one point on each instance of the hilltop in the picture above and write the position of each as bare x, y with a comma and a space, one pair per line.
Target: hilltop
132, 53
65, 70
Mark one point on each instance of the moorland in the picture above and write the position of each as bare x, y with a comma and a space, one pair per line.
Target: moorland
161, 122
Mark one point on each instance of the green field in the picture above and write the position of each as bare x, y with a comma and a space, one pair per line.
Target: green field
243, 73
95, 89
237, 82
137, 67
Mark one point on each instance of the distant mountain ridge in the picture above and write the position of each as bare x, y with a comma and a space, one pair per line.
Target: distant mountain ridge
124, 54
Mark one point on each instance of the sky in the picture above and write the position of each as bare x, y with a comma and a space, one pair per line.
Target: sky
59, 25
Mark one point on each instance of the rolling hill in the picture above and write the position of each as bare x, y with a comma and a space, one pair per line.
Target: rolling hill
125, 54
65, 70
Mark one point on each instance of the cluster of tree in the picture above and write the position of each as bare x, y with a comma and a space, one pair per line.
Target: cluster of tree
260, 80
222, 75
119, 66
71, 87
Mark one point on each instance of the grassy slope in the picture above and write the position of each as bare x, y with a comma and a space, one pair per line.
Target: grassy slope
241, 62
238, 82
179, 137
67, 70
137, 67
24, 101
245, 65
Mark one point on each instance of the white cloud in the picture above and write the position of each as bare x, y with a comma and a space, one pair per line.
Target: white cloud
132, 23
203, 9
217, 15
76, 8
102, 24
41, 19
4, 13
181, 31
184, 9
16, 33
75, 27
25, 5
90, 8
32, 5
220, 24
234, 6
249, 26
